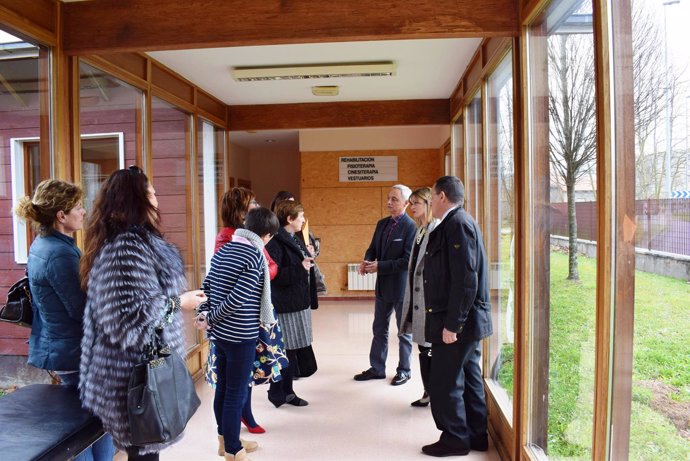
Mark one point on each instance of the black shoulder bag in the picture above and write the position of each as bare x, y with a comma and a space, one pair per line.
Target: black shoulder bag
161, 396
18, 308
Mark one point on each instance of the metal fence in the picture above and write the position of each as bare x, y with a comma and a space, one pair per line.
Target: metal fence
662, 224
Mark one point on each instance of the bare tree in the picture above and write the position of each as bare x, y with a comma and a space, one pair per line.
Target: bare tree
648, 81
506, 150
572, 124
650, 93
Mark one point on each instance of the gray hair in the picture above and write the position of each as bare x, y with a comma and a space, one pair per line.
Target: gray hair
404, 191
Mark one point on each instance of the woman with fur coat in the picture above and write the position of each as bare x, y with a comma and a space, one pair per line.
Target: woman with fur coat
133, 279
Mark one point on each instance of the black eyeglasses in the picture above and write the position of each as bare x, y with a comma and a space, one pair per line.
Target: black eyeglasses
135, 169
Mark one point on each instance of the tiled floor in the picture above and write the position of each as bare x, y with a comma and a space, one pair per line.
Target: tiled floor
345, 419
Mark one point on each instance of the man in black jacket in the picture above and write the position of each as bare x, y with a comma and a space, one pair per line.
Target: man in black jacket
388, 256
458, 316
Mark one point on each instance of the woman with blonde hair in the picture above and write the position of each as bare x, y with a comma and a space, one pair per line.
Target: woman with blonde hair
134, 282
55, 212
413, 315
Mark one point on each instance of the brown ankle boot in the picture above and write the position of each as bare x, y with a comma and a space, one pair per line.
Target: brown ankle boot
221, 446
239, 456
249, 445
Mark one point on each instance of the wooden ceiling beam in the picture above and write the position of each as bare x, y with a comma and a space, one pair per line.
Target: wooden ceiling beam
339, 114
108, 26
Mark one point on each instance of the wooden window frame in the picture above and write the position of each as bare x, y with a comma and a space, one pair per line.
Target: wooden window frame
616, 215
22, 184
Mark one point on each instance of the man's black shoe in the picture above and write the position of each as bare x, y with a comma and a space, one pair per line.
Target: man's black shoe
440, 449
366, 375
400, 378
480, 444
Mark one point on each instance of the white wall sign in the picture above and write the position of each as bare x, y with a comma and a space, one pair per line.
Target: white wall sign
368, 169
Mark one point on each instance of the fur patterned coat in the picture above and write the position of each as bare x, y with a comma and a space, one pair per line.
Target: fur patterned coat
130, 283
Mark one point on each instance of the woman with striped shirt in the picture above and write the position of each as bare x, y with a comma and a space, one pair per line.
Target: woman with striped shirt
234, 206
238, 290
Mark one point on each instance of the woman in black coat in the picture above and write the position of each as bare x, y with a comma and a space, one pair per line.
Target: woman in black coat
293, 294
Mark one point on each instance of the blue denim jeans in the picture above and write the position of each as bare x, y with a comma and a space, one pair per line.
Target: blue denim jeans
103, 448
233, 367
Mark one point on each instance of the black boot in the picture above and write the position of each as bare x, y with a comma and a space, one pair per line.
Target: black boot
423, 402
424, 371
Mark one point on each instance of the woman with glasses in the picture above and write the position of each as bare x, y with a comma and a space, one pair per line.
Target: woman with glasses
234, 206
134, 281
413, 304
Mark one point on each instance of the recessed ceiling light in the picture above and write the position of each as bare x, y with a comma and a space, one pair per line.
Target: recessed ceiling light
270, 141
325, 90
311, 71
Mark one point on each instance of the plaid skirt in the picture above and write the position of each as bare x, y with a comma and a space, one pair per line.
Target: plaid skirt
297, 331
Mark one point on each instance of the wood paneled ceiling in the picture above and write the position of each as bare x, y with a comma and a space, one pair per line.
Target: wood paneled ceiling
431, 41
144, 25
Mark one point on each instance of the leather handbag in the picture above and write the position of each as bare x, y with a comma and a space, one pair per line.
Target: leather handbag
161, 398
270, 354
18, 308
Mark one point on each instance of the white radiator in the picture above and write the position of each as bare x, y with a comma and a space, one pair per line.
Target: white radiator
356, 282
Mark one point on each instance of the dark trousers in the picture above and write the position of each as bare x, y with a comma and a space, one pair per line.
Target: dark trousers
234, 367
103, 448
247, 409
425, 365
279, 391
379, 345
456, 390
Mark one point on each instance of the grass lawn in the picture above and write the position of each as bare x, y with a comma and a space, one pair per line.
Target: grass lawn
661, 375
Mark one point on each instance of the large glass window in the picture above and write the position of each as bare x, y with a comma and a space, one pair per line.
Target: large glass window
458, 151
171, 134
24, 153
211, 176
562, 243
110, 121
500, 232
474, 193
660, 409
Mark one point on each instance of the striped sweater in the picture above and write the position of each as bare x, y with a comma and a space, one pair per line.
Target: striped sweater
234, 286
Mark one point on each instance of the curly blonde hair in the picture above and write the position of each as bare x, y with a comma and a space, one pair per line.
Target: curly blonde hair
50, 197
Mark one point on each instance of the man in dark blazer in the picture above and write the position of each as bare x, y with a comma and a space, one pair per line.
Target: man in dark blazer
387, 256
458, 316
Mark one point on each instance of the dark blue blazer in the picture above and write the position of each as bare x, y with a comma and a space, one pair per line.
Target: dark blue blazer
393, 257
456, 285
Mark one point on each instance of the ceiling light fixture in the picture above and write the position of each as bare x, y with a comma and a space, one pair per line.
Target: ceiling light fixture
311, 71
325, 90
270, 141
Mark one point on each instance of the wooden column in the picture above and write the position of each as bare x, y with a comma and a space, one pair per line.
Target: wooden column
538, 177
616, 230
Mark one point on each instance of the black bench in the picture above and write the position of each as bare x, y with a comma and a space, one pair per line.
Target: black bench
45, 422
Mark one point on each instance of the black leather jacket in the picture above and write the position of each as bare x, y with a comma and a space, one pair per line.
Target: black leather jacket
456, 289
